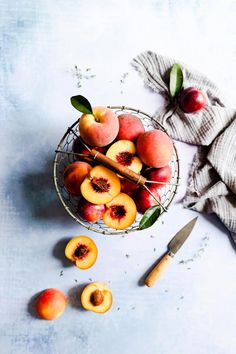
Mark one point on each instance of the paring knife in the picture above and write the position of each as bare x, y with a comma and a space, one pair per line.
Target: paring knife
173, 247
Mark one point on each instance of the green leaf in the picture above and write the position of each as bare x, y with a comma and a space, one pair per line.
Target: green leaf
176, 80
81, 104
149, 217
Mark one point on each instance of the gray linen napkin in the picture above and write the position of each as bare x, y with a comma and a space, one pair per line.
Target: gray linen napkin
212, 181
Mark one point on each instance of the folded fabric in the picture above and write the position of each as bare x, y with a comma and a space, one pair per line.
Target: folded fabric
212, 182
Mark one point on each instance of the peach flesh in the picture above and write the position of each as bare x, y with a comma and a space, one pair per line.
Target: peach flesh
117, 211
96, 297
100, 184
124, 158
123, 152
120, 212
81, 252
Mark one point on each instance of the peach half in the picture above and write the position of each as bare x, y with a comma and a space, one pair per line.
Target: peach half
96, 297
120, 212
50, 304
82, 251
100, 186
123, 151
100, 128
74, 175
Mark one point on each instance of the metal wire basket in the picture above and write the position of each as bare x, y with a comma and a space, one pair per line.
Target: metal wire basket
62, 160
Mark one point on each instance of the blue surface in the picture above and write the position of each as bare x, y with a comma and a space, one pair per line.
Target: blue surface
192, 308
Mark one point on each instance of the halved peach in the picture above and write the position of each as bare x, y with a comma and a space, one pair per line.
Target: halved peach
82, 251
96, 297
123, 152
100, 186
120, 212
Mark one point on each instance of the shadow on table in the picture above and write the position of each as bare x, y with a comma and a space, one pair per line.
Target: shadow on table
214, 220
31, 307
39, 194
141, 281
74, 296
59, 252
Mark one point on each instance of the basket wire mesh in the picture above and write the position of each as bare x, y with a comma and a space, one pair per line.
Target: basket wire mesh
62, 160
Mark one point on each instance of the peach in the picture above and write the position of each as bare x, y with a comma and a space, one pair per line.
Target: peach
100, 186
82, 251
96, 297
123, 151
100, 128
51, 303
155, 148
89, 211
144, 199
74, 175
120, 212
191, 100
128, 187
162, 174
130, 127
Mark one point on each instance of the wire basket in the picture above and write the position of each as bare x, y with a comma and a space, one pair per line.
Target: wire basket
62, 160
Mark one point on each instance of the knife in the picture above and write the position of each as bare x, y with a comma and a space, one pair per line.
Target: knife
173, 247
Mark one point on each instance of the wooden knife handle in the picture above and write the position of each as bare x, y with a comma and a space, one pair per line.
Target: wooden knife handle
117, 168
156, 272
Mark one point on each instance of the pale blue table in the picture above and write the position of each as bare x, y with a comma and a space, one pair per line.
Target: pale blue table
192, 308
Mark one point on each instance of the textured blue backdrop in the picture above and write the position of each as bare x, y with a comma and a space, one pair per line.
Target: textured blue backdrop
192, 308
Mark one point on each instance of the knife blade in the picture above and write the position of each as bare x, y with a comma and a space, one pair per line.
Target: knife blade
178, 240
174, 245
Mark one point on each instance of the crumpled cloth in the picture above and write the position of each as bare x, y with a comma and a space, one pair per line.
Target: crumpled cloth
212, 181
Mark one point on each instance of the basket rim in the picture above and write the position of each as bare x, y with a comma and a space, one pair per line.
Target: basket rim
90, 227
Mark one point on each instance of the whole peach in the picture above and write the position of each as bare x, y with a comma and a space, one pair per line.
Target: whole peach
89, 211
128, 187
51, 304
162, 174
191, 100
130, 127
155, 148
100, 128
144, 200
74, 175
